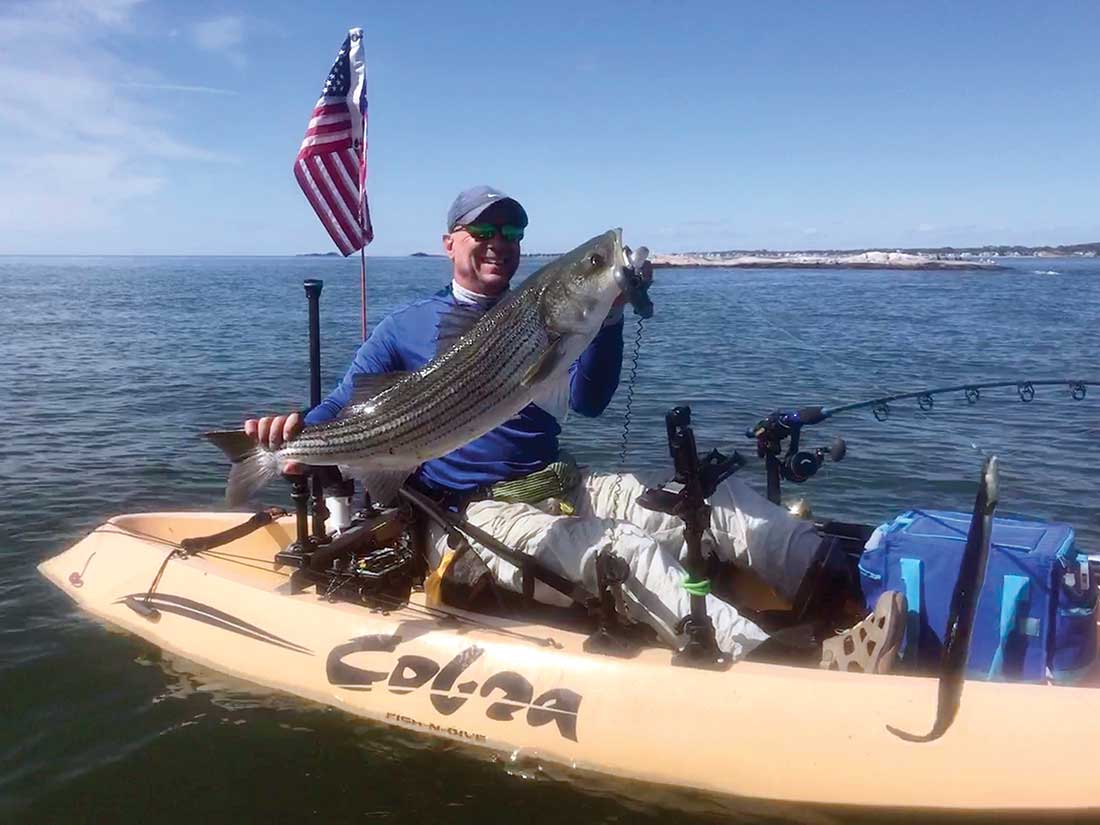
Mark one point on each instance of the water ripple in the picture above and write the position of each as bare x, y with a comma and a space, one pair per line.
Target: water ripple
113, 366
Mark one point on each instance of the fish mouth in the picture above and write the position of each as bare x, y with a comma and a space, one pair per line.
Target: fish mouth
630, 280
623, 251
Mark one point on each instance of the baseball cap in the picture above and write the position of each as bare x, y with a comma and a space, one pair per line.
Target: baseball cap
472, 202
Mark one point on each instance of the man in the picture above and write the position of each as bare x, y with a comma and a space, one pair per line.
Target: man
482, 240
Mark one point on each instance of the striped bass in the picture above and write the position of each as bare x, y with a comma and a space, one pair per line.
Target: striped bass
517, 353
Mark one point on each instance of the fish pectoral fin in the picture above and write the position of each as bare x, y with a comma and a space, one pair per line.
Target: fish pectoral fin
553, 396
543, 368
381, 484
366, 385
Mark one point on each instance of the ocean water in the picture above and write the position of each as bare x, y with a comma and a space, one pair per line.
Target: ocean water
110, 367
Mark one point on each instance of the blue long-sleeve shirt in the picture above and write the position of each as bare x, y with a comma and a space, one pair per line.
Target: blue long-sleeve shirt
406, 341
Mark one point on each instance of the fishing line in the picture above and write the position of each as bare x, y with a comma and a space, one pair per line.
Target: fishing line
631, 380
217, 554
263, 566
624, 438
232, 558
135, 533
602, 586
221, 554
921, 413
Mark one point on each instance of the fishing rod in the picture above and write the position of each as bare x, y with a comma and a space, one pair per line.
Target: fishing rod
796, 465
799, 465
972, 393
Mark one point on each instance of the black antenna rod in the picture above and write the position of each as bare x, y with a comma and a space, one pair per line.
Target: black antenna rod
313, 289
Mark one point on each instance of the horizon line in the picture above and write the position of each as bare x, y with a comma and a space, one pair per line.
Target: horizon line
421, 254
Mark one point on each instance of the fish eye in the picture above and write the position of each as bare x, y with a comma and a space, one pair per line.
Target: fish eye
595, 259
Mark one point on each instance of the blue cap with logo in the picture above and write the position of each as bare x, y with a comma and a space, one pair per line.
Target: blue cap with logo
472, 202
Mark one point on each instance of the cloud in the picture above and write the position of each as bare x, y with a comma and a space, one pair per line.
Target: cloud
67, 21
71, 191
178, 87
90, 113
109, 12
75, 146
223, 34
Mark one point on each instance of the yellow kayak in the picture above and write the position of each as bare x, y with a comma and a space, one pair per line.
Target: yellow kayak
756, 731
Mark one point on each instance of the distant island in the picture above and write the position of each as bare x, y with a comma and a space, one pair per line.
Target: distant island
931, 258
968, 258
423, 255
822, 260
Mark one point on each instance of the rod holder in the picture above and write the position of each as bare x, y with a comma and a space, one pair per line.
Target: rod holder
313, 289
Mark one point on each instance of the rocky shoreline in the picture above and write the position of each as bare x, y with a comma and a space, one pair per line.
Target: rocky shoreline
798, 260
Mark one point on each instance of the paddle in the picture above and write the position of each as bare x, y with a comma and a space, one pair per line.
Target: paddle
964, 603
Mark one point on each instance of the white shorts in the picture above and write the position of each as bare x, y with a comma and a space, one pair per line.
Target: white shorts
746, 530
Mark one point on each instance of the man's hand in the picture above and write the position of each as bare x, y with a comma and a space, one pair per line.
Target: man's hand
646, 274
272, 431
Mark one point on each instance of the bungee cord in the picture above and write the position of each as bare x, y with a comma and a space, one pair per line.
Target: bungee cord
178, 550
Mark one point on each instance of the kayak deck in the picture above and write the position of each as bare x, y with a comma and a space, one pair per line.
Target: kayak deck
760, 731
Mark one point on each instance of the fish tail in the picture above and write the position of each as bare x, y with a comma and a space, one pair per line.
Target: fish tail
252, 467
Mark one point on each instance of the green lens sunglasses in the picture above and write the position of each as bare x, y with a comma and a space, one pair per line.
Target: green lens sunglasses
486, 231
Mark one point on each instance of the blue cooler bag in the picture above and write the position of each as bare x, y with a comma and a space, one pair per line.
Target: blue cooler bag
1036, 613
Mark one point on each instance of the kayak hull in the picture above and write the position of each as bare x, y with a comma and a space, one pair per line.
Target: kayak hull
755, 731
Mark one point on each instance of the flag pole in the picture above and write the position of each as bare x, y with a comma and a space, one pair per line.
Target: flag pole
363, 229
363, 290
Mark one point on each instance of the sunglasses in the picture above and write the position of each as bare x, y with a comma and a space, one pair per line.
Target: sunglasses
486, 231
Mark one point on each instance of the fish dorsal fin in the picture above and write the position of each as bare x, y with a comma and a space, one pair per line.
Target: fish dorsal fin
366, 385
454, 322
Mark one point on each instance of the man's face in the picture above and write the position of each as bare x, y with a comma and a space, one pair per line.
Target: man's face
484, 267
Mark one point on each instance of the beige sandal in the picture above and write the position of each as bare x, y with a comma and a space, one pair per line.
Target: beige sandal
872, 645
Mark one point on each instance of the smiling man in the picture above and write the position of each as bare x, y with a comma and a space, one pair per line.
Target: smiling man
484, 230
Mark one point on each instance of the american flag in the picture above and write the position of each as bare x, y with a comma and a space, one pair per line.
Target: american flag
331, 166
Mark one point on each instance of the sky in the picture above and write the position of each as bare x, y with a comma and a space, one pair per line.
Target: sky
157, 127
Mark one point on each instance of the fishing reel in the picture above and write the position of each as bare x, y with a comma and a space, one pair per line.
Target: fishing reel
793, 464
800, 466
382, 577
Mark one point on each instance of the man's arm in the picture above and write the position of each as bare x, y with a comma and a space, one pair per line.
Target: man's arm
594, 376
377, 354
